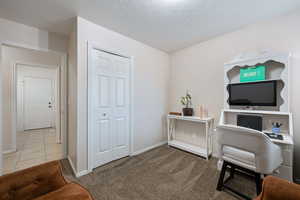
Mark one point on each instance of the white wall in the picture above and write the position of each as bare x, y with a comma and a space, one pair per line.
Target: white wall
15, 33
1, 119
10, 56
200, 67
151, 76
72, 98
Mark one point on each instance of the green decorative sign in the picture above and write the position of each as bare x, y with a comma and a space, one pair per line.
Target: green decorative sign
251, 74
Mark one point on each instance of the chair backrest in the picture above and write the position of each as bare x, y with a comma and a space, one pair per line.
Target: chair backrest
268, 156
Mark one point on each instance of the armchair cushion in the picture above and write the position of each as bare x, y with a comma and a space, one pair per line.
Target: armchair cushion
41, 182
278, 189
31, 183
239, 155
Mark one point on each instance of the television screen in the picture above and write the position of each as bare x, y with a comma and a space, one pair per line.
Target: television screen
253, 94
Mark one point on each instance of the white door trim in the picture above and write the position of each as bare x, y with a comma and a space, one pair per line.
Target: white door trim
63, 94
92, 46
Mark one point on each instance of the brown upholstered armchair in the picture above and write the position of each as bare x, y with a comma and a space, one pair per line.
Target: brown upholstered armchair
278, 189
43, 182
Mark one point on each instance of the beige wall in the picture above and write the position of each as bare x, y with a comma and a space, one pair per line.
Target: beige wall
72, 99
200, 67
151, 76
26, 36
10, 56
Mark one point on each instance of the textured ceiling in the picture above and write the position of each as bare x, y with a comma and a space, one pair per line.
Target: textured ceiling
168, 25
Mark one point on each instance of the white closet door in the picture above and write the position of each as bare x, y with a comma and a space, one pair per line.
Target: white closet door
110, 109
38, 93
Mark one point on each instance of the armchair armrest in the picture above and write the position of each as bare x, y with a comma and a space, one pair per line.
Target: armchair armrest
33, 182
278, 189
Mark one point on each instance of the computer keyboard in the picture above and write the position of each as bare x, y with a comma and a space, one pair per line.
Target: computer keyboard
274, 136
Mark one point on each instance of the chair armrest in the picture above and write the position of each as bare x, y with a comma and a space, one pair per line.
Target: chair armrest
278, 189
30, 183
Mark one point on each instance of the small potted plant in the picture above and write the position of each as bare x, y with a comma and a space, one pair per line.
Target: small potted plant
187, 102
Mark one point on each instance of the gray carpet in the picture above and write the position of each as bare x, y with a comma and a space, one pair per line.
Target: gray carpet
163, 173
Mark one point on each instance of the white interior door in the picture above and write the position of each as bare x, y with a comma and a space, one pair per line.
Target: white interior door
38, 96
110, 107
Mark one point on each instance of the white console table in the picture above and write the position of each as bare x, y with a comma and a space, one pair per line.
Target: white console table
204, 151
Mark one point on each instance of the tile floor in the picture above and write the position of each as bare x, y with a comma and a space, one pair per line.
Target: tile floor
34, 147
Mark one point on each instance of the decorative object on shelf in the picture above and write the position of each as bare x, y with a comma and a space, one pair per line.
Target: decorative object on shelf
250, 74
276, 127
187, 102
175, 113
203, 112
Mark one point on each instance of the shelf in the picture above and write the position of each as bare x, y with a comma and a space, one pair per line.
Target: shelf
192, 118
189, 147
256, 112
237, 82
287, 139
277, 69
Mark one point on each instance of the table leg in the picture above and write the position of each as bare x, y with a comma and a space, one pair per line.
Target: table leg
206, 137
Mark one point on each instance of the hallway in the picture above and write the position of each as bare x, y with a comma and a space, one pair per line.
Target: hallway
34, 147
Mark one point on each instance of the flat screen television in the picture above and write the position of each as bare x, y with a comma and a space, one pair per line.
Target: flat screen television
253, 94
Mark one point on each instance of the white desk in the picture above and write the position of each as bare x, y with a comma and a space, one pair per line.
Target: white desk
204, 151
229, 117
287, 139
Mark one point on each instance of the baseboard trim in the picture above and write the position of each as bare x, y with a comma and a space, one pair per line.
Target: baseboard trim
77, 174
82, 173
148, 148
215, 155
72, 165
9, 151
85, 172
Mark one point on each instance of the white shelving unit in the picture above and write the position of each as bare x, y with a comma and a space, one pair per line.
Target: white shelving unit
204, 151
277, 68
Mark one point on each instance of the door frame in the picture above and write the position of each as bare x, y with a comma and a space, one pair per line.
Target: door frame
92, 46
63, 93
14, 87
